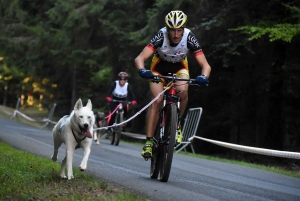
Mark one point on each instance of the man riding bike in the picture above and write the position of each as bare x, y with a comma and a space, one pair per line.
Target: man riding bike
170, 47
119, 91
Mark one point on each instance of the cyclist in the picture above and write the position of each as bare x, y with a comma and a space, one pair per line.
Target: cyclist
119, 91
170, 46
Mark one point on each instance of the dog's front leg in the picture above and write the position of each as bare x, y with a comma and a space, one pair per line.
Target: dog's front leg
63, 168
69, 162
87, 152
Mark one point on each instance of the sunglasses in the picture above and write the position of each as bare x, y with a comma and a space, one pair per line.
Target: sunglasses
123, 79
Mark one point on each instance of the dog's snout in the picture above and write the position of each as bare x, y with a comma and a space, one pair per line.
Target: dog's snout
86, 125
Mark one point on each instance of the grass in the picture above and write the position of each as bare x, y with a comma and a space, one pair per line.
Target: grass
24, 176
271, 168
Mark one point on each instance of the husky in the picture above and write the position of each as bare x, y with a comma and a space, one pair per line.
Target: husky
99, 122
74, 131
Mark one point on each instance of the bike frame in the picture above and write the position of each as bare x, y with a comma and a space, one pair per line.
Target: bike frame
165, 134
116, 134
170, 97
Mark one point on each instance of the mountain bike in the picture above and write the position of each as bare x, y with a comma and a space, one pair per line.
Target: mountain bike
165, 135
116, 131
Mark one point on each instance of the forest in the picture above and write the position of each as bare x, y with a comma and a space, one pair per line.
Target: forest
56, 51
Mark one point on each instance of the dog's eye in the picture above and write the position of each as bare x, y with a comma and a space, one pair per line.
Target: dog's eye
81, 116
89, 117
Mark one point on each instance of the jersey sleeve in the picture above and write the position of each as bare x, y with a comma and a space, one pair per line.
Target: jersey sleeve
194, 45
130, 92
111, 89
156, 41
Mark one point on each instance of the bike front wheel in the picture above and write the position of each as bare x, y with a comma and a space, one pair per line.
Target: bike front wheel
156, 159
118, 129
169, 142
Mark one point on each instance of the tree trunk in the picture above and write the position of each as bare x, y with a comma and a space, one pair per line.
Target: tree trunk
74, 95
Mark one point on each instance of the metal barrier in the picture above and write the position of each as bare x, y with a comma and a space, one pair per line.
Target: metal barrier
47, 120
189, 129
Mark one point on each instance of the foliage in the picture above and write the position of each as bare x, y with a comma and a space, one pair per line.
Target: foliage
281, 31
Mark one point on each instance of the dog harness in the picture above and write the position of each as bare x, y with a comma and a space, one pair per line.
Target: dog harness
78, 140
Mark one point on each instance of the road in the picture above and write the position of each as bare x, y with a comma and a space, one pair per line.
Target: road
190, 178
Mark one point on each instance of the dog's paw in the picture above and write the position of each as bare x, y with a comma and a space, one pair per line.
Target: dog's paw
98, 143
82, 169
54, 158
63, 176
70, 177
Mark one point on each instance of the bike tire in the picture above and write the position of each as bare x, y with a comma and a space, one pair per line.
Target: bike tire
156, 152
119, 130
168, 148
112, 139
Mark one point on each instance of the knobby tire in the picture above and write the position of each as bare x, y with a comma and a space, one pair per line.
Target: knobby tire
156, 152
113, 134
169, 138
119, 129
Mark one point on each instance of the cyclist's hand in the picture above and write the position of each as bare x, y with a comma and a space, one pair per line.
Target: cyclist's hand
146, 73
109, 99
133, 102
202, 80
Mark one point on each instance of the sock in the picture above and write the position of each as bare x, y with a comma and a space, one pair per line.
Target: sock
149, 138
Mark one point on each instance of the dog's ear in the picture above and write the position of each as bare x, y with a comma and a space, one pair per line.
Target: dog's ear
89, 104
78, 104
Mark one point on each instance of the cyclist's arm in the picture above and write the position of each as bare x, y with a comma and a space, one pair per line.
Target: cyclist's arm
147, 52
130, 92
201, 60
111, 89
195, 47
143, 56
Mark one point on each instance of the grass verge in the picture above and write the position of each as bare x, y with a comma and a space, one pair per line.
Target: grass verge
24, 176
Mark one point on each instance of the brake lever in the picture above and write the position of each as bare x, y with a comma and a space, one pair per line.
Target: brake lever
156, 79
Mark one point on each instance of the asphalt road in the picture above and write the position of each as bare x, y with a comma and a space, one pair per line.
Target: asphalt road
190, 178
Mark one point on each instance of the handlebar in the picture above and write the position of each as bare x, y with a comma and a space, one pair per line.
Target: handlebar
174, 78
121, 101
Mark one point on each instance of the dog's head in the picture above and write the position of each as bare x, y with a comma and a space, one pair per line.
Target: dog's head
84, 116
99, 116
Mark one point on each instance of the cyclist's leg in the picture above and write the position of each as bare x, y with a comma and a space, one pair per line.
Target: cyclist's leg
153, 111
182, 88
125, 109
111, 120
152, 118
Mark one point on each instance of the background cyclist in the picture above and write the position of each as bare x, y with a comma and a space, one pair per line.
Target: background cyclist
119, 90
170, 47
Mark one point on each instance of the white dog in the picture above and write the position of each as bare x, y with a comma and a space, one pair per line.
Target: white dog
74, 131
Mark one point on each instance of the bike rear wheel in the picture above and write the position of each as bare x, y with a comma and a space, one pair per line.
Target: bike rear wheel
156, 152
115, 131
112, 139
169, 139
